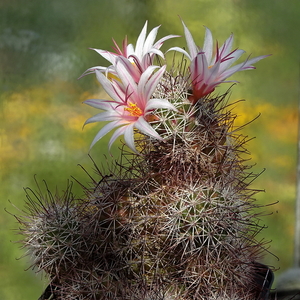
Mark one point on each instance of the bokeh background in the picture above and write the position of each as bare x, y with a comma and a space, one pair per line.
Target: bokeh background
44, 49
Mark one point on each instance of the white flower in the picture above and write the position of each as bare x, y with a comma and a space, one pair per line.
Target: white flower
136, 59
128, 108
207, 71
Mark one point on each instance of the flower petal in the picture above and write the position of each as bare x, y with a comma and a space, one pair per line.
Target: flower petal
103, 116
178, 49
130, 50
159, 43
110, 56
107, 85
132, 69
242, 66
104, 130
150, 40
142, 125
150, 85
115, 135
226, 47
147, 59
139, 47
212, 73
125, 76
193, 49
199, 68
92, 70
159, 103
98, 103
208, 45
129, 137
232, 59
153, 51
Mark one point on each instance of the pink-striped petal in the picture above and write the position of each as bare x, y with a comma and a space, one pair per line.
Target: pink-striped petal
141, 41
178, 49
226, 47
98, 103
125, 76
208, 45
106, 84
242, 66
233, 58
153, 104
193, 49
104, 130
159, 43
150, 86
129, 137
148, 44
111, 57
142, 125
116, 134
102, 117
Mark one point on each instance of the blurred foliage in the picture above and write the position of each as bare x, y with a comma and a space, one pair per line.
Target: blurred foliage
44, 49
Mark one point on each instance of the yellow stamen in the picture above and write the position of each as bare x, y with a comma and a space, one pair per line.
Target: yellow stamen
133, 109
111, 76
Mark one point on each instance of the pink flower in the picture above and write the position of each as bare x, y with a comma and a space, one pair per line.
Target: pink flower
136, 59
207, 71
129, 108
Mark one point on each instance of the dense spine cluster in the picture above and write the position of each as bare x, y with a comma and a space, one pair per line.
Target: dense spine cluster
173, 222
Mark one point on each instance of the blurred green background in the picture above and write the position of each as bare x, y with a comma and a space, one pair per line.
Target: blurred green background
44, 49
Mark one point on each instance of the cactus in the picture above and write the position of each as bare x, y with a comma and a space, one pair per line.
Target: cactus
173, 219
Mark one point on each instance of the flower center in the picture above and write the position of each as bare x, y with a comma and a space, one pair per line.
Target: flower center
133, 109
